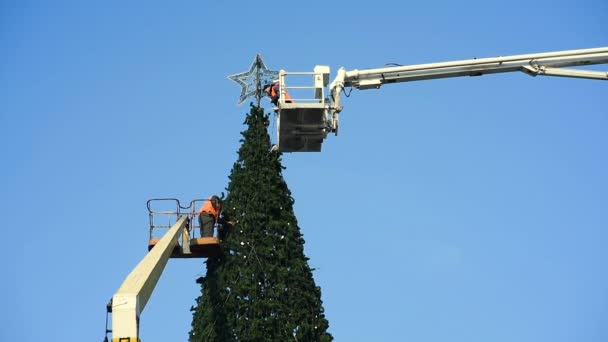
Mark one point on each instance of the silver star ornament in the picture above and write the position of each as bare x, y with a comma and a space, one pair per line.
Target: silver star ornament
250, 81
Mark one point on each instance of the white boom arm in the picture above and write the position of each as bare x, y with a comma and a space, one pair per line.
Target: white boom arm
549, 64
132, 296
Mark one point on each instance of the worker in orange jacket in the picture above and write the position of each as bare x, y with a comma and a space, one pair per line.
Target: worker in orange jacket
274, 92
209, 215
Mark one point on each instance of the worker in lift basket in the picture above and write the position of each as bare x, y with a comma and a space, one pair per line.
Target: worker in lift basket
209, 215
274, 92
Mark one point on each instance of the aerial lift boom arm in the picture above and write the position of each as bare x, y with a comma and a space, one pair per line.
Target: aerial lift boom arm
132, 296
548, 63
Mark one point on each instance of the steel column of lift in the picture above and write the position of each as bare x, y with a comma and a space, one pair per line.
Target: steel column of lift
134, 293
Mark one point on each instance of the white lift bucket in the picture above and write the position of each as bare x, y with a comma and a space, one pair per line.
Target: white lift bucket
302, 113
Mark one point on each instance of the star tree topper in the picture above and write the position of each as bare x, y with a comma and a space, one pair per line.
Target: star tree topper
251, 81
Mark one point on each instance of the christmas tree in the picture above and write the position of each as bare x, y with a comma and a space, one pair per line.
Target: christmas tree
261, 287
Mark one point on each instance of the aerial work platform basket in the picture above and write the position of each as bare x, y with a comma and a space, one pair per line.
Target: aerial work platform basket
189, 245
302, 117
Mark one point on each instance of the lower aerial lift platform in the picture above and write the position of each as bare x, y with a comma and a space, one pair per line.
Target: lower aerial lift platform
189, 246
178, 241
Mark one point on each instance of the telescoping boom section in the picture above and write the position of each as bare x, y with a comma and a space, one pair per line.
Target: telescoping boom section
308, 115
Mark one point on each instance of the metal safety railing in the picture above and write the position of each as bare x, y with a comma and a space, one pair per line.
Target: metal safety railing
300, 89
165, 218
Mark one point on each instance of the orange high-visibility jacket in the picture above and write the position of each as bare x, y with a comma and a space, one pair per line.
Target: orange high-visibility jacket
274, 93
208, 208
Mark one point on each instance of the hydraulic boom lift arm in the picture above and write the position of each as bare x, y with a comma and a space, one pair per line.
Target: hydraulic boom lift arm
548, 64
132, 296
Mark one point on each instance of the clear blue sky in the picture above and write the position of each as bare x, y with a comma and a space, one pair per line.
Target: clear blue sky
470, 209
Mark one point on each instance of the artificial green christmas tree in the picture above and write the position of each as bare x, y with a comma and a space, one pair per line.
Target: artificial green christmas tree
261, 287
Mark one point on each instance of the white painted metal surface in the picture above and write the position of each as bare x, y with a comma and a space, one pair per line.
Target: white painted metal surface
374, 78
134, 293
